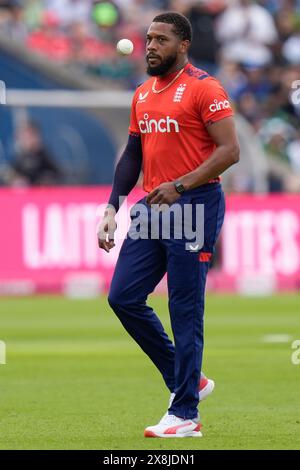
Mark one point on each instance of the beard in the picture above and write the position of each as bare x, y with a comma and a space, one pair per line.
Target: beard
163, 67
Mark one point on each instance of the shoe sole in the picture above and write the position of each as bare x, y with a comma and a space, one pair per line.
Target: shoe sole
190, 434
207, 390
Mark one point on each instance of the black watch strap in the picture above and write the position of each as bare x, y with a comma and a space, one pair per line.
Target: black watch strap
179, 187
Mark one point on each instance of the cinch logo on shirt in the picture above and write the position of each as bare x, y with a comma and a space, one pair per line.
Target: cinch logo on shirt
218, 105
148, 126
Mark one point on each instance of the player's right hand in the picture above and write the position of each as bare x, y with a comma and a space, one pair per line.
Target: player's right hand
106, 230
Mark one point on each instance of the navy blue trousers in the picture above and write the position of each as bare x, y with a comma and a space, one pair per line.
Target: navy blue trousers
141, 265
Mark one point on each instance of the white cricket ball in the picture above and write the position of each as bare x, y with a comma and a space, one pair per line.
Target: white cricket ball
125, 46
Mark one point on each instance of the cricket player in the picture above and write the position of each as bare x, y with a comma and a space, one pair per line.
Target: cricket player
182, 136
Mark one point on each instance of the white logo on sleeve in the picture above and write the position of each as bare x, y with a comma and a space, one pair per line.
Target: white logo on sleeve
149, 126
142, 98
219, 105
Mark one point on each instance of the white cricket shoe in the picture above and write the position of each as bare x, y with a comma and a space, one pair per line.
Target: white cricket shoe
206, 387
172, 426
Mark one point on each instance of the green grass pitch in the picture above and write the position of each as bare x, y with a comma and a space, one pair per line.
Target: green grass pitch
74, 379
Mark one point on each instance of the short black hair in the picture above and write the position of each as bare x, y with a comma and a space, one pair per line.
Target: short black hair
182, 26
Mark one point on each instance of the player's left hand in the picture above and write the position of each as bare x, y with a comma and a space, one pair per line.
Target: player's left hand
165, 193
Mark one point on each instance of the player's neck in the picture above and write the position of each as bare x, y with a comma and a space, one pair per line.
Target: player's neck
175, 68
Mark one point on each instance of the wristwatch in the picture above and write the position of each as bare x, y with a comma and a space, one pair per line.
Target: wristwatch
179, 187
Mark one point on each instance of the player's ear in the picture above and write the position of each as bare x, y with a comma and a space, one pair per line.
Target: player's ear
184, 46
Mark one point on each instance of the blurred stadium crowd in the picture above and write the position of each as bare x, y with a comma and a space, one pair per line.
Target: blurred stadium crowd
253, 47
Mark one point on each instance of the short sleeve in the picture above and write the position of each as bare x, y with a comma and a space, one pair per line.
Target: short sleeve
133, 125
212, 101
